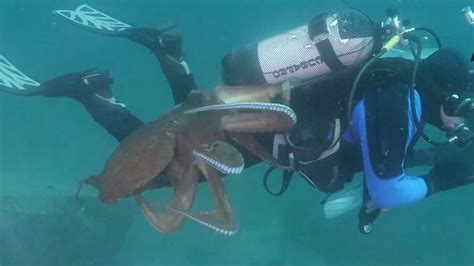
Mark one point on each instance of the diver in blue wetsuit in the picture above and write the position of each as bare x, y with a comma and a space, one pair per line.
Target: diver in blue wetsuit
384, 128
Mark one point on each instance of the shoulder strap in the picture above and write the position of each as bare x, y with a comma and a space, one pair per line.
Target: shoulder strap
318, 31
286, 179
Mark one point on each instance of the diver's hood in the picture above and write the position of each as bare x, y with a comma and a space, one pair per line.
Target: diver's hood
440, 75
444, 73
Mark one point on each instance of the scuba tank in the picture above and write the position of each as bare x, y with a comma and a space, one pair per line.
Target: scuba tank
325, 45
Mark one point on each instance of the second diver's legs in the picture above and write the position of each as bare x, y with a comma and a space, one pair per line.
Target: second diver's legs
167, 47
448, 175
452, 166
93, 90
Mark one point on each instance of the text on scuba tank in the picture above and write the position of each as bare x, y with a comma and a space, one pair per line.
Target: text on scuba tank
295, 68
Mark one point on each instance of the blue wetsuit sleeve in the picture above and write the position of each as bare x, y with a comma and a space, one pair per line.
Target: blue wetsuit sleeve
384, 126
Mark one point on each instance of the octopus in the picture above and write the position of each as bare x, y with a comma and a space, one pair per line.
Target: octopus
196, 138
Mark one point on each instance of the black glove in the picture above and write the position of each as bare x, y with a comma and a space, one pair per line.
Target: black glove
448, 175
78, 85
457, 106
461, 135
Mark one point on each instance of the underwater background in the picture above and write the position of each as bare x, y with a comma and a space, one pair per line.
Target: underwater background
48, 144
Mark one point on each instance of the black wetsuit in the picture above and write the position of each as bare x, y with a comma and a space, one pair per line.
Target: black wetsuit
118, 120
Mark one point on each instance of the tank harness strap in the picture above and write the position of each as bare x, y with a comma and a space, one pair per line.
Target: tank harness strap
286, 161
318, 32
284, 151
285, 182
335, 131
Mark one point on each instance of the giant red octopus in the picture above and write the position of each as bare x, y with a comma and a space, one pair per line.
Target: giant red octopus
194, 139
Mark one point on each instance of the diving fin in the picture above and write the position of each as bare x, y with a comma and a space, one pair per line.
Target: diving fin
93, 20
13, 81
345, 200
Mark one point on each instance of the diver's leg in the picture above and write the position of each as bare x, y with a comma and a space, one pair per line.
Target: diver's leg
92, 89
111, 115
453, 167
449, 175
167, 47
165, 43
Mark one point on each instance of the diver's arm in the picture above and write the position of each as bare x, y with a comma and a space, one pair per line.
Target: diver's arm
382, 124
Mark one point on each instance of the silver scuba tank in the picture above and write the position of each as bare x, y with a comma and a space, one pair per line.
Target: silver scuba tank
326, 44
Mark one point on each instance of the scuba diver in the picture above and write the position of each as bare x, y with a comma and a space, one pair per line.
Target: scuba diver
384, 118
389, 102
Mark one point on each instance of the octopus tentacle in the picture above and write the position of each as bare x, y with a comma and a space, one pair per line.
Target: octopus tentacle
263, 117
95, 181
213, 220
257, 122
259, 93
222, 219
251, 143
248, 106
183, 197
222, 156
153, 216
222, 168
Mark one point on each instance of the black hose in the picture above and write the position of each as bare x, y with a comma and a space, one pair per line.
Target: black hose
418, 125
412, 88
412, 92
435, 36
354, 89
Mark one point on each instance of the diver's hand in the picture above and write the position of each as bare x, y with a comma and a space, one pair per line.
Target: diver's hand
461, 135
449, 120
78, 85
